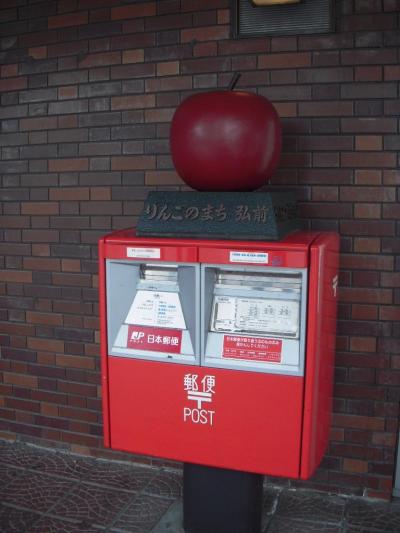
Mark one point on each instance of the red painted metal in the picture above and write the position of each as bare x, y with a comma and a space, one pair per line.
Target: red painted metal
321, 339
256, 420
267, 423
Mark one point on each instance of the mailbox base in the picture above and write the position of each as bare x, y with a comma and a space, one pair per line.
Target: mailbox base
217, 500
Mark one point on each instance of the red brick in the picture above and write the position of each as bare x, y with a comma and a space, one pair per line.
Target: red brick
20, 380
133, 56
369, 261
372, 125
137, 70
325, 194
68, 121
67, 93
10, 328
39, 208
206, 33
38, 52
45, 345
392, 72
138, 10
42, 123
48, 319
391, 177
390, 279
363, 344
370, 211
175, 83
133, 162
99, 60
286, 109
9, 71
368, 177
72, 361
72, 280
71, 19
282, 61
206, 49
158, 115
361, 422
42, 263
49, 409
363, 295
367, 73
69, 194
326, 109
162, 177
70, 265
369, 142
168, 68
13, 84
368, 194
387, 312
370, 159
68, 165
245, 46
100, 193
355, 465
391, 211
223, 16
368, 57
67, 49
16, 276
388, 377
379, 21
133, 102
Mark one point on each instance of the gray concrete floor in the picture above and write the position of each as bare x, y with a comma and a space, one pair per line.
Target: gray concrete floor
46, 491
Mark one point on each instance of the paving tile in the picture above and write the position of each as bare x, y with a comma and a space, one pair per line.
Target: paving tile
121, 476
270, 503
305, 505
18, 520
35, 491
65, 465
92, 504
167, 483
172, 520
373, 516
142, 514
270, 499
280, 524
8, 473
20, 455
48, 524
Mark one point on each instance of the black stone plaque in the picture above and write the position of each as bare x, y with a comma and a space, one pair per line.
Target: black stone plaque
213, 215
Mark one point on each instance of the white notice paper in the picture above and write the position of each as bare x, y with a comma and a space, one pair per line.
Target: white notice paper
255, 315
156, 308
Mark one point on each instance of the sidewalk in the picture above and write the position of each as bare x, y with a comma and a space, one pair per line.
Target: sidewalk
46, 491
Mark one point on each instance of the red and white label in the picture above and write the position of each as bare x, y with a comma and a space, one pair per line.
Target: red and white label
154, 339
252, 349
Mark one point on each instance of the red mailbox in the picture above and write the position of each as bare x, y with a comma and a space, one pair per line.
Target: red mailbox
217, 352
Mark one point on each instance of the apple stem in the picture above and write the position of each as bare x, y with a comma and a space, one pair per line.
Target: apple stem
234, 80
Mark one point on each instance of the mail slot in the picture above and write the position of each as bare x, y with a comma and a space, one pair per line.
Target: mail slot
219, 353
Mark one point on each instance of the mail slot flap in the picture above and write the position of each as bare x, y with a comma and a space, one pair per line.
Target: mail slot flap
139, 251
257, 255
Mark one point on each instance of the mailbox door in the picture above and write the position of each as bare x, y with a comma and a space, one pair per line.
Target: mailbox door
216, 417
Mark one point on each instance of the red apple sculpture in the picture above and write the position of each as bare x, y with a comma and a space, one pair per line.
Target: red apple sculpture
225, 141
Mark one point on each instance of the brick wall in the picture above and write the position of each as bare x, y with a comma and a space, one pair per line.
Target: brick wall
88, 89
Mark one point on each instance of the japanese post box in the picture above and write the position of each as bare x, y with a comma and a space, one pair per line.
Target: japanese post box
217, 352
